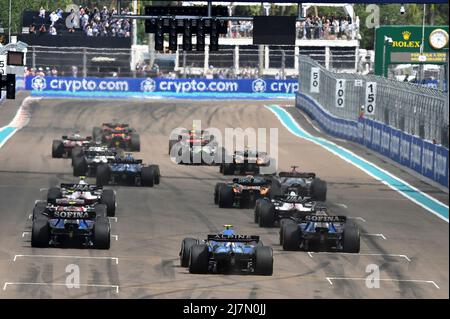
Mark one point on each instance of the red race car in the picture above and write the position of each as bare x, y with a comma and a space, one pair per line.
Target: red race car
118, 135
63, 148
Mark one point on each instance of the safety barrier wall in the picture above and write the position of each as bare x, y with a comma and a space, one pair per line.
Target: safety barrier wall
426, 158
155, 86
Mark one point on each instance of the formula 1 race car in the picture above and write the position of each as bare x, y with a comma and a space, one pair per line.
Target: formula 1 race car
320, 232
225, 252
84, 192
118, 135
63, 148
87, 160
196, 147
68, 221
242, 192
129, 171
303, 184
245, 162
269, 211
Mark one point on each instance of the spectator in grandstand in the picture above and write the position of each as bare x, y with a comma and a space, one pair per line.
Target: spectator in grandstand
32, 29
74, 71
54, 72
40, 72
42, 13
42, 29
59, 13
52, 30
53, 18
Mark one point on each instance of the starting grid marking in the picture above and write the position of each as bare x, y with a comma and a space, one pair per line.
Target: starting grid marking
374, 235
310, 254
330, 280
115, 259
5, 286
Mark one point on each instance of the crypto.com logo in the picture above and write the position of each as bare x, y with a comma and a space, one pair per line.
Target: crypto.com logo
259, 86
38, 83
148, 85
213, 146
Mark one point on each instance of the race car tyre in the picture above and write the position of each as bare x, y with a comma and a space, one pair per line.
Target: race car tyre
135, 143
216, 192
257, 209
109, 199
79, 166
283, 224
39, 210
351, 242
185, 252
97, 134
199, 259
77, 151
148, 176
157, 174
228, 169
103, 174
102, 233
101, 210
57, 149
226, 196
264, 261
53, 194
319, 190
266, 214
40, 233
291, 237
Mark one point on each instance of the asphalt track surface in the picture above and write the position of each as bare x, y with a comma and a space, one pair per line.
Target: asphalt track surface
409, 244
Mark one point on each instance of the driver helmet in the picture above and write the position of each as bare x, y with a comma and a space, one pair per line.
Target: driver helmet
83, 180
228, 231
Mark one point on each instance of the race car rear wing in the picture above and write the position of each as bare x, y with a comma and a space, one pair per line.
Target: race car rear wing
70, 213
69, 202
244, 183
233, 238
293, 199
297, 175
80, 187
124, 161
323, 219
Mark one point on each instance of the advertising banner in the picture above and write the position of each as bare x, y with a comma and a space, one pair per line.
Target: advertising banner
159, 85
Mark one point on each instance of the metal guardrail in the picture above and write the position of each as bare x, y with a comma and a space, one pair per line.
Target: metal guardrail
411, 108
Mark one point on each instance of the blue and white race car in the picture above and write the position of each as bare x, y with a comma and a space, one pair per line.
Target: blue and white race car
129, 171
225, 252
319, 231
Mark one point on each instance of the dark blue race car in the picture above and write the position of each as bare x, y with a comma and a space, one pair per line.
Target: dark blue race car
226, 252
128, 171
320, 232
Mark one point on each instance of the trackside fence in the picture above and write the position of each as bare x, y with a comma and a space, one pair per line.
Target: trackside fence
348, 122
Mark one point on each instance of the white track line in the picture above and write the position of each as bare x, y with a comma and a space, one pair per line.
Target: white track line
116, 237
358, 218
5, 286
374, 235
25, 233
60, 256
310, 254
330, 280
113, 218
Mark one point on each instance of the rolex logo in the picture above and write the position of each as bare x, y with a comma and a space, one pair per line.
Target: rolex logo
406, 35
